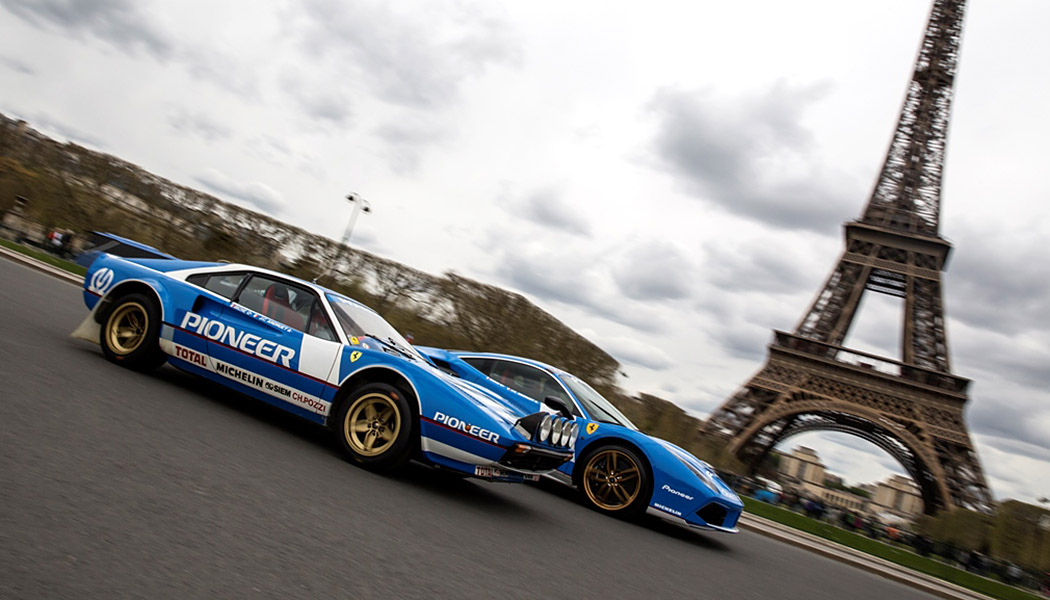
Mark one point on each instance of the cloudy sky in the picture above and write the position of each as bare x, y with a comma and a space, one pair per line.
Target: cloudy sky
668, 178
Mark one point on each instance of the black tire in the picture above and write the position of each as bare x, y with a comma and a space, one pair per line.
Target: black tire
375, 427
130, 334
614, 480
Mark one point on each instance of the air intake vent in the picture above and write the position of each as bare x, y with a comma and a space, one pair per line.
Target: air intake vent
712, 514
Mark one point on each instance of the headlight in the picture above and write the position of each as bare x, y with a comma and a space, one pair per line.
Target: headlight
544, 430
704, 477
574, 432
556, 430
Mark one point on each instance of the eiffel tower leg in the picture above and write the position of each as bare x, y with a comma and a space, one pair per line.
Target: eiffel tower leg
925, 342
768, 445
831, 313
966, 482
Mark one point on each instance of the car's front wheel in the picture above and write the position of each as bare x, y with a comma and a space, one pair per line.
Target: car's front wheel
374, 426
130, 334
615, 481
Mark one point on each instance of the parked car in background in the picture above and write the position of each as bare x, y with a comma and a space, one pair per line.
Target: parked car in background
768, 491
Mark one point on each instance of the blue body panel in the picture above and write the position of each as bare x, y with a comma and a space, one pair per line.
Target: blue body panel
462, 426
679, 492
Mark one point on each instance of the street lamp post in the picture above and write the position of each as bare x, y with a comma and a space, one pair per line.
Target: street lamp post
360, 205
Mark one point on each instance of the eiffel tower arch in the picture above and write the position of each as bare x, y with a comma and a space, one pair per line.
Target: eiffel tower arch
911, 408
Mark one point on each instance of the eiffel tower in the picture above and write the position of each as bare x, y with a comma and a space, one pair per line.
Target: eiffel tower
911, 408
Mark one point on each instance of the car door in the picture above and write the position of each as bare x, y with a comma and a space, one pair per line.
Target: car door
276, 338
189, 339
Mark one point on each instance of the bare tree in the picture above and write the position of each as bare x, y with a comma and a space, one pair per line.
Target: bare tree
395, 283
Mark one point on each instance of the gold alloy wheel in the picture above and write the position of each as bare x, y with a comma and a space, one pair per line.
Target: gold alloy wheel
611, 479
126, 328
372, 424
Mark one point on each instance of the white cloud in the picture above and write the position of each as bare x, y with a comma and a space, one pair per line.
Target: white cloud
637, 352
1013, 470
547, 207
655, 271
198, 123
118, 22
257, 195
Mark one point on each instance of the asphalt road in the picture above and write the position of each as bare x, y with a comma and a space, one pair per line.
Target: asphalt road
115, 484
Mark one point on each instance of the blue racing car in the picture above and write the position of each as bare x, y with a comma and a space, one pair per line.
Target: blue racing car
617, 469
314, 353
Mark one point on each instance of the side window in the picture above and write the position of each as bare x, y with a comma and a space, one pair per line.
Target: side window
223, 284
482, 364
530, 381
317, 323
287, 303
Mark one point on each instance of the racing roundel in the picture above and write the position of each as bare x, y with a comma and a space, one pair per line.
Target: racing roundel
100, 281
591, 428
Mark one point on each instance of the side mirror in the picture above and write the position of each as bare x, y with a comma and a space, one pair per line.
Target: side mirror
559, 405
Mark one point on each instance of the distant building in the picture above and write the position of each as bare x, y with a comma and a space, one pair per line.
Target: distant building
898, 496
845, 500
802, 467
868, 487
803, 473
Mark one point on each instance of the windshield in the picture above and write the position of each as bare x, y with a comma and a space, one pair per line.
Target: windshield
360, 321
597, 407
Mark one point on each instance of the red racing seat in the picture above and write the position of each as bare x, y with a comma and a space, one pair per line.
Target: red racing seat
276, 305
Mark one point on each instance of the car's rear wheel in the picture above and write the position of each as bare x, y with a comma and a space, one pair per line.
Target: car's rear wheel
374, 426
130, 334
615, 481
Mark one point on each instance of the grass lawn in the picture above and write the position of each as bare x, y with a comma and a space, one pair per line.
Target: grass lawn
45, 257
891, 553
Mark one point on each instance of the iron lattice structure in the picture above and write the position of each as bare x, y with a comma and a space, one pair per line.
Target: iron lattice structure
911, 408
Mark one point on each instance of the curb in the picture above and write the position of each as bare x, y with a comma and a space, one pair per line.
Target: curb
41, 266
872, 564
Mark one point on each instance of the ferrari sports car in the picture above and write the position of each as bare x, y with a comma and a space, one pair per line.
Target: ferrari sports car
617, 469
316, 354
